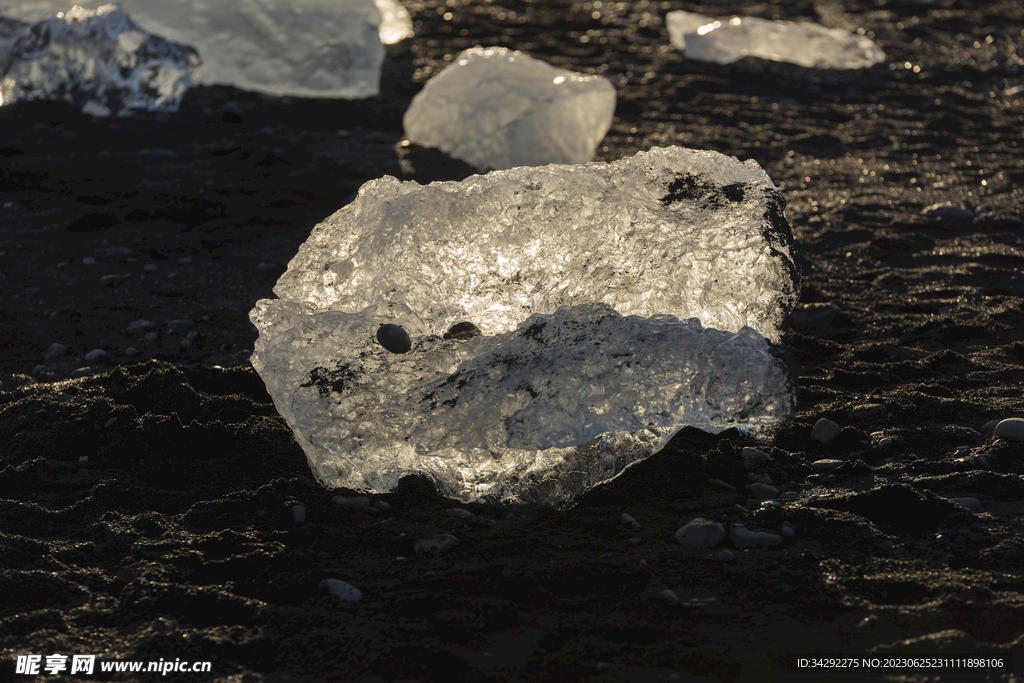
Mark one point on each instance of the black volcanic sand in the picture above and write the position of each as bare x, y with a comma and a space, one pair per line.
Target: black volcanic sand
175, 539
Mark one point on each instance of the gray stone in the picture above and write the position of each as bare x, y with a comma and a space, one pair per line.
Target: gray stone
700, 533
1010, 428
824, 431
742, 537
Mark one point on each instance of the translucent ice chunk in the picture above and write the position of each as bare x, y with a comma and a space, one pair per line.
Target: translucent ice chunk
99, 60
805, 44
305, 48
496, 109
395, 22
595, 289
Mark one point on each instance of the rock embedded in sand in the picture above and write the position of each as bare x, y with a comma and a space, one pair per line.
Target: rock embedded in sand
342, 590
620, 302
496, 108
742, 537
700, 533
1010, 428
824, 431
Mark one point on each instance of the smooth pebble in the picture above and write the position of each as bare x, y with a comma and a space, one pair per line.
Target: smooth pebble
54, 350
459, 512
88, 261
824, 431
299, 513
394, 338
745, 538
763, 491
341, 589
95, 355
700, 533
436, 544
725, 554
627, 519
826, 464
1011, 428
462, 331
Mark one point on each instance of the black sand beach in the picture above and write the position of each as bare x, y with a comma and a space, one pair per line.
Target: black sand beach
146, 505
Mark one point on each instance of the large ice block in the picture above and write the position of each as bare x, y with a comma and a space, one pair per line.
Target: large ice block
305, 48
616, 303
495, 109
805, 44
99, 60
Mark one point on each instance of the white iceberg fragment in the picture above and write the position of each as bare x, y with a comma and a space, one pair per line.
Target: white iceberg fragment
99, 60
805, 44
612, 304
496, 108
304, 48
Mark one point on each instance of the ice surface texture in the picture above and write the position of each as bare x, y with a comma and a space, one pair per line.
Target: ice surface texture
810, 45
496, 109
99, 60
581, 279
305, 48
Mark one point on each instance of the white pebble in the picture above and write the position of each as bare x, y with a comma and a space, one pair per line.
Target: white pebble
185, 344
459, 512
668, 594
149, 268
343, 590
635, 526
745, 538
967, 502
824, 431
826, 464
700, 533
725, 554
83, 459
80, 372
299, 513
352, 501
95, 355
1010, 428
131, 351
627, 519
381, 505
54, 350
88, 261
